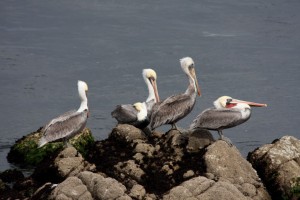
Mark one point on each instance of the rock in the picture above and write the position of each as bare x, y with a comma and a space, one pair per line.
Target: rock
11, 175
130, 169
164, 166
157, 163
199, 139
89, 185
71, 189
69, 162
144, 148
26, 152
201, 188
137, 192
279, 166
102, 188
127, 133
188, 174
227, 164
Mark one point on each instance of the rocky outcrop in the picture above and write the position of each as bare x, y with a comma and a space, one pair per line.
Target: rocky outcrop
225, 163
227, 176
130, 164
157, 162
161, 162
279, 166
26, 152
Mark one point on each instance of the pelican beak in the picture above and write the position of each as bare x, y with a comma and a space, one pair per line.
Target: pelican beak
154, 85
193, 73
253, 104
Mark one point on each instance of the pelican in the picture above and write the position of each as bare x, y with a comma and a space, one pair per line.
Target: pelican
226, 113
139, 115
68, 124
178, 106
127, 113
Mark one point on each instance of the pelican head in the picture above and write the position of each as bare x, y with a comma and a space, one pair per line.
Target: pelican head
149, 73
141, 109
150, 77
229, 102
188, 66
82, 90
82, 86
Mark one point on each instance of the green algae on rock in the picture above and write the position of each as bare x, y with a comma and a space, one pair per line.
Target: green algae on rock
25, 151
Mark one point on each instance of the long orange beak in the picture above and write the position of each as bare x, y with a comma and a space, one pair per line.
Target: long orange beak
249, 103
154, 85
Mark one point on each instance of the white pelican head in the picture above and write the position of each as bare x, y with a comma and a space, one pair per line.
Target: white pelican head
229, 102
188, 66
141, 109
82, 90
150, 78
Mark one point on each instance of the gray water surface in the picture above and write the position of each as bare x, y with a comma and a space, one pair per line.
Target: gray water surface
249, 50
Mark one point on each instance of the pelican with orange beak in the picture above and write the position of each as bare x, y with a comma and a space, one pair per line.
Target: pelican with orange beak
226, 113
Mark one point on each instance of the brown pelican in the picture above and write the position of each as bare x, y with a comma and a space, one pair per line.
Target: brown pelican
140, 114
227, 113
127, 113
178, 106
68, 124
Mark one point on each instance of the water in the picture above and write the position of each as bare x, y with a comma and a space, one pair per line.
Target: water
246, 49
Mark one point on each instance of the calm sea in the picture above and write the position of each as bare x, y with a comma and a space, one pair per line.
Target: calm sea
245, 49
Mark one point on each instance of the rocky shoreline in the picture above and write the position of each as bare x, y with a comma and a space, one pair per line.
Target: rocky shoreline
131, 165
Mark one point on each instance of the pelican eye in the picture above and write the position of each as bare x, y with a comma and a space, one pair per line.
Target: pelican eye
228, 101
191, 66
151, 78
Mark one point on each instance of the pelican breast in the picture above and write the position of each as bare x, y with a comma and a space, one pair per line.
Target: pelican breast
171, 110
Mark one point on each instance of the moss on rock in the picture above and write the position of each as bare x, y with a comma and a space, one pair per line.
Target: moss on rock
26, 152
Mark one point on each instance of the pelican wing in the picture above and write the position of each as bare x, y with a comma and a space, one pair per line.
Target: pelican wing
171, 110
61, 117
66, 125
125, 113
215, 119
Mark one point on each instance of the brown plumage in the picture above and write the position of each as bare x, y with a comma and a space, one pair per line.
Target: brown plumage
176, 107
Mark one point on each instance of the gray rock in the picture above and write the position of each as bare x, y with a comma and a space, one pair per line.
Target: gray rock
137, 192
127, 133
103, 188
175, 138
130, 169
138, 157
198, 139
279, 166
227, 164
201, 188
69, 162
71, 189
89, 185
188, 174
144, 148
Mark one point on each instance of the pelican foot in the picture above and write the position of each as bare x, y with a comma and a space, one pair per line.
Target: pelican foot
227, 140
174, 127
